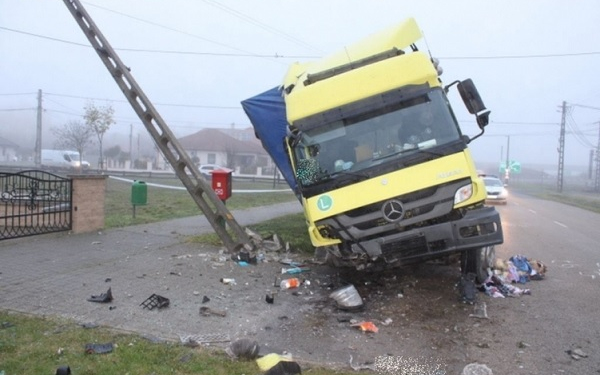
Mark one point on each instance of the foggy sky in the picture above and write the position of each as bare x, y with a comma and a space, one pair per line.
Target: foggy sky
526, 58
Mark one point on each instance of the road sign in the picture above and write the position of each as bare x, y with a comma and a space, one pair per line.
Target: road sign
513, 167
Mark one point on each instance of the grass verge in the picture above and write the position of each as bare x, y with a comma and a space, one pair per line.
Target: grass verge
165, 203
289, 228
34, 345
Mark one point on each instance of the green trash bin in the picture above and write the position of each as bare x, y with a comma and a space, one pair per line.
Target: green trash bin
139, 193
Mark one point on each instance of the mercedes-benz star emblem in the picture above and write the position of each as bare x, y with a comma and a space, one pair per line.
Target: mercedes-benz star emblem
393, 211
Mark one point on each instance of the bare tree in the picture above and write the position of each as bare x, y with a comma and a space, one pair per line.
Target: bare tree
99, 120
73, 135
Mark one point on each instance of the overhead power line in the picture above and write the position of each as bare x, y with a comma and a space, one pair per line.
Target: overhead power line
156, 103
260, 24
278, 56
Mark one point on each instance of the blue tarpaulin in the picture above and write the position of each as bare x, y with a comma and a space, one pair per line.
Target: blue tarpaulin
266, 112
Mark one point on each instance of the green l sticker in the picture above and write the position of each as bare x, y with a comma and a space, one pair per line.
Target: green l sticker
324, 202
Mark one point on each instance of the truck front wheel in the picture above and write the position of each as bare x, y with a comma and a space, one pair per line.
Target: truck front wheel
478, 261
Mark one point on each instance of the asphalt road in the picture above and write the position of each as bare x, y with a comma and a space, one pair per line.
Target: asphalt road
532, 335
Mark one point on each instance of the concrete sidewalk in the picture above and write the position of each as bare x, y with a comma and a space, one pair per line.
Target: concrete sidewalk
55, 274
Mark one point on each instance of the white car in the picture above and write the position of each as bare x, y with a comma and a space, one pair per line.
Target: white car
207, 169
496, 192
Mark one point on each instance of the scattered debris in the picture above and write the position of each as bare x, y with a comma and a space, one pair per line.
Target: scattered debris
99, 348
522, 345
294, 270
63, 370
270, 298
360, 367
366, 326
102, 298
290, 283
577, 354
243, 349
155, 301
479, 311
477, 369
266, 362
228, 281
387, 321
285, 368
344, 318
207, 311
4, 325
347, 298
207, 338
205, 299
495, 287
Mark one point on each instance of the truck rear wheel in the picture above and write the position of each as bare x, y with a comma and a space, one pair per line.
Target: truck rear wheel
478, 261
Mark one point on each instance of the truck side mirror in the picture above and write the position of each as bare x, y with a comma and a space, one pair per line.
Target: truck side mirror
470, 96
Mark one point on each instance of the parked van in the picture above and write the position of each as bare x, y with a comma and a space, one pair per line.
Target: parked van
63, 159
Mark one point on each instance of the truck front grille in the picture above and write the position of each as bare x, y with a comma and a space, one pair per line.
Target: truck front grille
433, 205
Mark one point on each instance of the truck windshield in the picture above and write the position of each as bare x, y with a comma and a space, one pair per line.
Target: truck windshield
376, 136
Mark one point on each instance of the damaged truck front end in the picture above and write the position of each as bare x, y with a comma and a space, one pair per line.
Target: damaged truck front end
369, 142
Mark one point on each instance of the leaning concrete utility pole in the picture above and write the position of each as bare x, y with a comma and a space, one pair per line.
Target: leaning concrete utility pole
235, 239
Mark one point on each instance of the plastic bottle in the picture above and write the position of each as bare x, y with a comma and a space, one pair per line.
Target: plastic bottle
290, 283
294, 270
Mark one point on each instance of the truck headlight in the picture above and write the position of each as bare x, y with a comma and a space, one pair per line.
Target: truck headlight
463, 193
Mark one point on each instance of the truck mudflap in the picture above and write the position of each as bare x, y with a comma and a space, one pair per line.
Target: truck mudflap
477, 228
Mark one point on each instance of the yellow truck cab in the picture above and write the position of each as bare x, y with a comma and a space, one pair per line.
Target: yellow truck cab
380, 163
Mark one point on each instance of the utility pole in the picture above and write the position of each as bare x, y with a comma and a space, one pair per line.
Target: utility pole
597, 180
561, 149
130, 146
507, 169
38, 132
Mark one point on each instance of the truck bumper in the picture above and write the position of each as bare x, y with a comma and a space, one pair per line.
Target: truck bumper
478, 228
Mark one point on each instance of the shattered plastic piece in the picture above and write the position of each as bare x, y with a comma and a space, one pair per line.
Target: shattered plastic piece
4, 325
285, 368
99, 348
577, 354
195, 340
347, 298
360, 367
102, 298
366, 327
479, 311
294, 270
243, 349
387, 321
270, 298
155, 301
63, 370
244, 256
477, 369
207, 311
228, 281
268, 361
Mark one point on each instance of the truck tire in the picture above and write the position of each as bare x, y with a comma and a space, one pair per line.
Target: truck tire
478, 261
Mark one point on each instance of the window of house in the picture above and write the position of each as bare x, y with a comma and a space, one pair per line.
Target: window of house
212, 159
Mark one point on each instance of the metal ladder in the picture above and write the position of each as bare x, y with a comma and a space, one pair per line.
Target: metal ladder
235, 239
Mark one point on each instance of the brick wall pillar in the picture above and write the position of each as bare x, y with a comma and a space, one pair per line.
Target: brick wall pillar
88, 202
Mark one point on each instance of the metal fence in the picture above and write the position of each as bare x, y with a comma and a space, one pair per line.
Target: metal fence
34, 202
